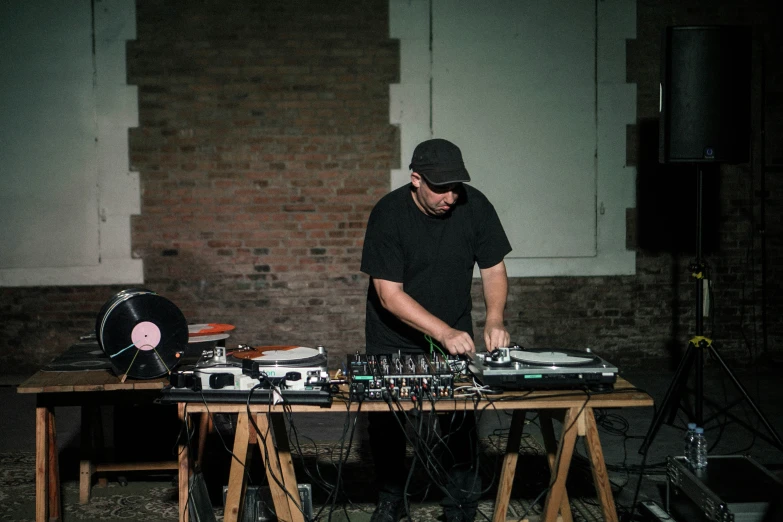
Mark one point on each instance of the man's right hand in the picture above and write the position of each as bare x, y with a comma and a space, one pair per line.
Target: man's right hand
457, 342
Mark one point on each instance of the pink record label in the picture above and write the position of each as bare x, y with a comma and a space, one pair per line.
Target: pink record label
145, 335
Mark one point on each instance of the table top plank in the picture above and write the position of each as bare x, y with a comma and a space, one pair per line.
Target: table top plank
98, 381
623, 395
85, 381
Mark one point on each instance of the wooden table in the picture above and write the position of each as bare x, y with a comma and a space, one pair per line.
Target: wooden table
574, 408
87, 389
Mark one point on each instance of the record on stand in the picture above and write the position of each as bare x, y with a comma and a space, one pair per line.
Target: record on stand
143, 334
283, 356
549, 357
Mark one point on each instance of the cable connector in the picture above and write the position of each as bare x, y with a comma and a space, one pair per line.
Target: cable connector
251, 368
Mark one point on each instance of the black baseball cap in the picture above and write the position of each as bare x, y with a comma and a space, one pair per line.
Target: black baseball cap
440, 162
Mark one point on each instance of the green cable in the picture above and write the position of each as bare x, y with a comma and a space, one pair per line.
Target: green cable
434, 345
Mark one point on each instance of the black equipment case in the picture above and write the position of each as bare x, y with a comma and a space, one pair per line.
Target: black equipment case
731, 488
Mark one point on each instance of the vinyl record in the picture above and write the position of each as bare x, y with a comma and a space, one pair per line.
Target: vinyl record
547, 357
193, 339
143, 334
195, 330
118, 297
283, 356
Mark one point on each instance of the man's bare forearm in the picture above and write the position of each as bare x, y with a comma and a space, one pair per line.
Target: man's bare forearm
495, 283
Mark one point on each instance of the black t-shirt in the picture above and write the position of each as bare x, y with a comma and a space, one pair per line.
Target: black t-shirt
433, 257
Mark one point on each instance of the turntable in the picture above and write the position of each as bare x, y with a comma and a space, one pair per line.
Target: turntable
515, 368
297, 373
291, 367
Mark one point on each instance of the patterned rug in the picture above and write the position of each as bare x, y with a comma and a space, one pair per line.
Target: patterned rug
149, 500
145, 498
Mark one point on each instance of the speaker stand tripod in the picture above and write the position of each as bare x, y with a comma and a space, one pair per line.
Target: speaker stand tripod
693, 360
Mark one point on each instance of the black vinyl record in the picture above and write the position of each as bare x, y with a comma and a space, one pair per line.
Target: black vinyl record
143, 334
120, 296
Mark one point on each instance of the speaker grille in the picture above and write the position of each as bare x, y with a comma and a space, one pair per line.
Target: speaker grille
705, 88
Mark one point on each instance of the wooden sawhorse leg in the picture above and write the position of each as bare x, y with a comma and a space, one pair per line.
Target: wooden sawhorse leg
86, 468
91, 450
277, 462
236, 477
506, 480
279, 467
551, 446
562, 462
55, 513
598, 465
510, 463
578, 422
47, 472
183, 468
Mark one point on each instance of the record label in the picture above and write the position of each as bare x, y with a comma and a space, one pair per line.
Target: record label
145, 335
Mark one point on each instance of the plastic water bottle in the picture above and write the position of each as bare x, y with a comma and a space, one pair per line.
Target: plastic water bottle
699, 449
688, 450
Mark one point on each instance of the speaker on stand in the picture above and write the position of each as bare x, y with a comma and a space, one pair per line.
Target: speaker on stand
705, 118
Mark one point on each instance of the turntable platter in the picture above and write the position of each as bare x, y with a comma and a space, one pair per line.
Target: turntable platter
196, 330
551, 357
283, 355
207, 338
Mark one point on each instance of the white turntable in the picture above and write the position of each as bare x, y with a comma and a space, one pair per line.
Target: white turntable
288, 367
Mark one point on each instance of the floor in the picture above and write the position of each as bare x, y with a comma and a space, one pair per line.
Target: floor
738, 430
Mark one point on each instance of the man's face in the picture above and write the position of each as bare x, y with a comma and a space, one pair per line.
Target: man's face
434, 200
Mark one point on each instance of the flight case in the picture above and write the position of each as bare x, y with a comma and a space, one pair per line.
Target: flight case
731, 488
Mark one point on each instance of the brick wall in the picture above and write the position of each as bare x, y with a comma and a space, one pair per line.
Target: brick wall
264, 142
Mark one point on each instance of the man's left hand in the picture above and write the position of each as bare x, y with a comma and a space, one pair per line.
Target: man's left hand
495, 336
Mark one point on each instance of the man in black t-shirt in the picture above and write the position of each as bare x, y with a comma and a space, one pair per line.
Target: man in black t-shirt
421, 245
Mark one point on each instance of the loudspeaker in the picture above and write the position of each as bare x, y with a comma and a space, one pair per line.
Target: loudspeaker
705, 94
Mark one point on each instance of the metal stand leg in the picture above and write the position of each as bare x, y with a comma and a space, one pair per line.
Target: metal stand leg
694, 355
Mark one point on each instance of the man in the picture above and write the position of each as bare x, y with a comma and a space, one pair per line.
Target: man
421, 245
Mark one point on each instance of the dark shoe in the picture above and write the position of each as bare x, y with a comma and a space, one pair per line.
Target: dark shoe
388, 511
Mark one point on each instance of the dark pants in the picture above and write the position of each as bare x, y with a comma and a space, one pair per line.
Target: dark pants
457, 473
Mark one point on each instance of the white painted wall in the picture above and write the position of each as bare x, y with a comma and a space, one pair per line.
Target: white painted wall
534, 94
64, 115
